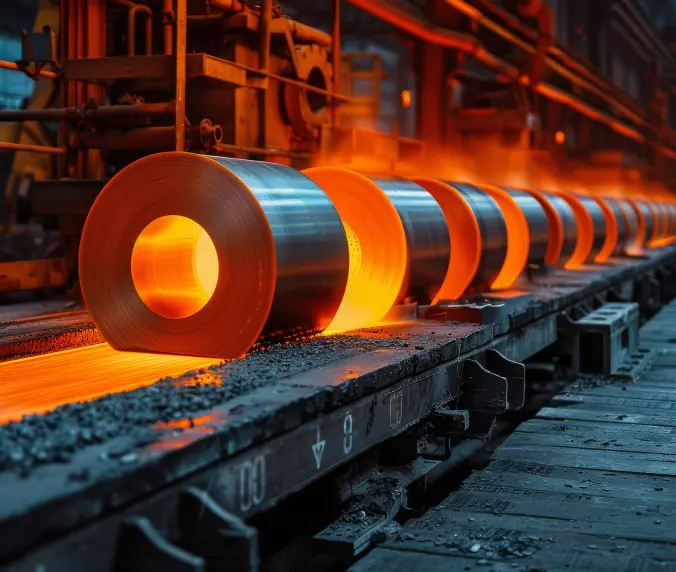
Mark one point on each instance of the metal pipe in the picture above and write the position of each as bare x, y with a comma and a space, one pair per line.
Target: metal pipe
402, 17
476, 15
135, 8
264, 35
306, 33
229, 148
15, 67
290, 81
5, 146
225, 5
181, 72
167, 27
107, 111
556, 94
335, 59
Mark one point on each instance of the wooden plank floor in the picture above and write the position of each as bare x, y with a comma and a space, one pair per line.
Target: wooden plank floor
588, 484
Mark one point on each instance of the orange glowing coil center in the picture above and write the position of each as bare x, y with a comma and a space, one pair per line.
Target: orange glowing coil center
174, 266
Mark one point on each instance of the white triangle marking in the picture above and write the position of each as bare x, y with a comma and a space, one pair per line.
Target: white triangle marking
318, 449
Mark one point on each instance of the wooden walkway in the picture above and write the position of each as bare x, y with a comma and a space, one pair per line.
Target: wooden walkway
589, 484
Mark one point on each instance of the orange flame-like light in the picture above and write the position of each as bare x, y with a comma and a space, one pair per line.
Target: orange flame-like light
377, 246
518, 238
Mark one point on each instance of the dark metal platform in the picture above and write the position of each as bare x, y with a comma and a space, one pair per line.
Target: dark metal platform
588, 484
253, 431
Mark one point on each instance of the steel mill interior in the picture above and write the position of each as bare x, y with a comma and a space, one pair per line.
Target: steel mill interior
366, 285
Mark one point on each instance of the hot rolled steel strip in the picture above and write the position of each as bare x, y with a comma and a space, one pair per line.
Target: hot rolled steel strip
160, 228
538, 226
478, 236
427, 237
562, 228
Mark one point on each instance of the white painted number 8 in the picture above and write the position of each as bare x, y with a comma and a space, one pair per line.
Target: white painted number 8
347, 433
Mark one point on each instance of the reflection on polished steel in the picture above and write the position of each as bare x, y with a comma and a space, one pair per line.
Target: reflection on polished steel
568, 227
627, 225
310, 244
538, 229
427, 236
648, 220
599, 223
493, 231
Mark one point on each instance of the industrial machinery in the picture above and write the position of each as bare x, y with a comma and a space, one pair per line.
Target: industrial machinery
313, 262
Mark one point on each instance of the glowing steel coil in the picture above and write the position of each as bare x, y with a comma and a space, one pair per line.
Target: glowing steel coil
585, 230
477, 229
538, 225
604, 233
377, 246
646, 221
562, 228
633, 239
195, 255
621, 226
427, 237
518, 237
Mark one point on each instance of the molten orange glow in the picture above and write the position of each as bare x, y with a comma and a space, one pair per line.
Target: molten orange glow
585, 230
406, 99
611, 232
83, 374
518, 238
377, 246
465, 237
554, 225
174, 266
560, 137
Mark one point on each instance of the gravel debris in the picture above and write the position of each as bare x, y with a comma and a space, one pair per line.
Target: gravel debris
54, 437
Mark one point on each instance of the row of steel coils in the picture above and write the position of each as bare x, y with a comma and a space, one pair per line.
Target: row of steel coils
195, 255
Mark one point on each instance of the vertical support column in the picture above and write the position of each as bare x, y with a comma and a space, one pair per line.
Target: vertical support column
181, 23
335, 61
95, 48
264, 37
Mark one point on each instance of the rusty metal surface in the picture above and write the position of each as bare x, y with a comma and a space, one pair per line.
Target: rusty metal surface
40, 328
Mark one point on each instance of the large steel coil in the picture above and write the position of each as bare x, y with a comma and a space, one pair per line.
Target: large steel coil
427, 237
377, 246
538, 225
183, 253
477, 228
201, 256
562, 228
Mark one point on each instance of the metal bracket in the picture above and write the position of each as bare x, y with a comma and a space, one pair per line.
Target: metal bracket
222, 539
141, 548
599, 342
368, 519
515, 374
482, 390
38, 47
479, 310
648, 294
